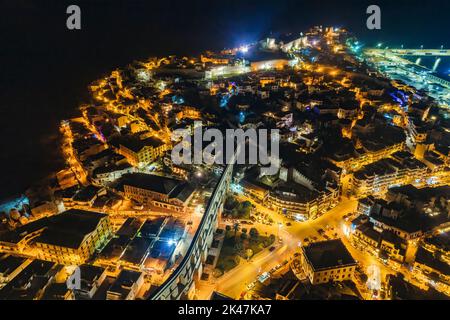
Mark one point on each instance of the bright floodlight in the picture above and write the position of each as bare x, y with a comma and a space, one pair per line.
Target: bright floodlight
243, 49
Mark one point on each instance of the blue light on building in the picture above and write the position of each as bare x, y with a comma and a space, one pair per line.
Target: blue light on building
177, 99
241, 117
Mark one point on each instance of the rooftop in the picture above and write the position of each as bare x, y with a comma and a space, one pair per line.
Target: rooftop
328, 254
152, 227
173, 188
10, 263
69, 228
122, 285
427, 258
137, 145
151, 182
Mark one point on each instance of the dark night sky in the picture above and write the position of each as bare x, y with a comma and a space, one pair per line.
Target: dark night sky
45, 68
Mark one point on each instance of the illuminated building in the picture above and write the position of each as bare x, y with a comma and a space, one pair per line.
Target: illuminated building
31, 282
162, 192
327, 261
188, 113
269, 64
255, 190
20, 202
367, 235
393, 246
47, 208
215, 59
438, 244
161, 255
223, 71
267, 80
91, 279
295, 192
136, 253
433, 270
85, 197
66, 178
11, 266
141, 152
107, 174
126, 286
370, 145
418, 130
73, 236
17, 241
300, 203
377, 177
397, 288
58, 291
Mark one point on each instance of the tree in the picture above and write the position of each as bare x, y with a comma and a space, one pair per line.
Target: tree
244, 230
246, 204
243, 236
237, 247
228, 228
271, 239
236, 228
231, 203
244, 209
254, 234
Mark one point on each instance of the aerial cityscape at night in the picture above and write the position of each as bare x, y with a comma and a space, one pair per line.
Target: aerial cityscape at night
147, 200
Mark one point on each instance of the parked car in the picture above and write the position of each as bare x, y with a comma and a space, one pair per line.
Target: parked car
251, 285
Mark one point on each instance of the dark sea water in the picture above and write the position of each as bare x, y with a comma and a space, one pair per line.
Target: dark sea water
443, 69
45, 69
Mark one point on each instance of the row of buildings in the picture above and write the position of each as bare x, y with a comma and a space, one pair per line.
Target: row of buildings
28, 279
409, 227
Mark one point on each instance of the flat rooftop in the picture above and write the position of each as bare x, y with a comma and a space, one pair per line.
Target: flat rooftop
328, 254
